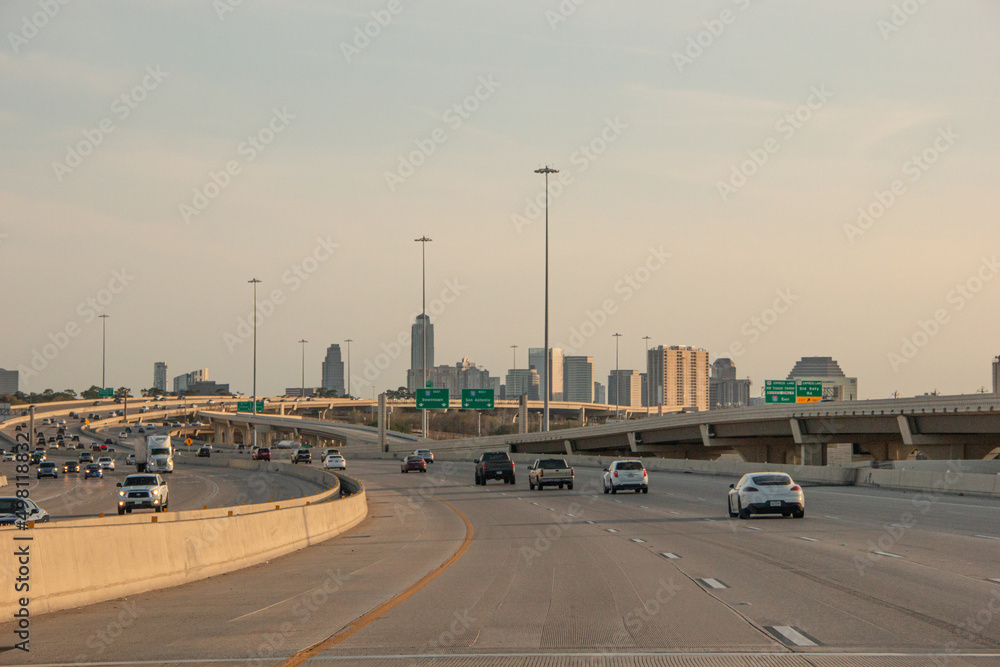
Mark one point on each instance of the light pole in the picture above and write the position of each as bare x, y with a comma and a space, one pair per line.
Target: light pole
302, 394
548, 370
104, 345
423, 240
618, 384
253, 315
649, 396
349, 341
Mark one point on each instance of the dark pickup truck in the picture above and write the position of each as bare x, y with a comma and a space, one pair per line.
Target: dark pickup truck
494, 465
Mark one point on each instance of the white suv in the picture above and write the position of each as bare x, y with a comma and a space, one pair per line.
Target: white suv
145, 490
625, 475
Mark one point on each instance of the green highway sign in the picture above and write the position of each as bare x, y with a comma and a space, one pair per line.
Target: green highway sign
809, 392
432, 399
247, 406
105, 393
477, 399
779, 391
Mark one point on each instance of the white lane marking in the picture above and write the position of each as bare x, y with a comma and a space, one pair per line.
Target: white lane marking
793, 635
708, 519
753, 528
995, 581
552, 509
905, 500
534, 503
809, 539
669, 555
701, 499
611, 530
617, 501
827, 516
643, 507
988, 537
570, 515
636, 539
672, 512
713, 583
887, 554
591, 523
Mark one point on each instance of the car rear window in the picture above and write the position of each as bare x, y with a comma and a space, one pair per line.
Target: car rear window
629, 465
552, 464
772, 480
496, 456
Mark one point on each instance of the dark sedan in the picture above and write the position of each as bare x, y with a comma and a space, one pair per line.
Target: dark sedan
413, 462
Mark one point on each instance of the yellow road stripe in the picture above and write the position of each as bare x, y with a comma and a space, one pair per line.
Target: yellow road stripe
379, 611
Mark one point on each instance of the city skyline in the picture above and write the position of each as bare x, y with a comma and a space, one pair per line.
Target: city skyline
757, 203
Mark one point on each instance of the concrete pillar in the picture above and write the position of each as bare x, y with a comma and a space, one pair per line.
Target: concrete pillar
812, 455
569, 447
583, 416
382, 446
522, 414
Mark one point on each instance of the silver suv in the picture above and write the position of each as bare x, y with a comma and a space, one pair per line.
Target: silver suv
625, 475
142, 491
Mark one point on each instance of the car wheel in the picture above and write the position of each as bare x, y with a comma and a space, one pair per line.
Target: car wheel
606, 489
613, 489
570, 487
638, 490
729, 508
403, 471
121, 510
128, 510
645, 489
159, 509
741, 512
560, 487
424, 470
531, 487
798, 514
513, 480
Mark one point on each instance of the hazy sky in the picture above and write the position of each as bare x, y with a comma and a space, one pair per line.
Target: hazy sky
714, 157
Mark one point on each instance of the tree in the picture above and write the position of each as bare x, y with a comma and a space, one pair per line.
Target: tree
90, 393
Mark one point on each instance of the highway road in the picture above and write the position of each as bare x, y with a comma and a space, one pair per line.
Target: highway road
556, 577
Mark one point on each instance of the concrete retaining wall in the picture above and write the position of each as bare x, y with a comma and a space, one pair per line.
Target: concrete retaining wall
75, 563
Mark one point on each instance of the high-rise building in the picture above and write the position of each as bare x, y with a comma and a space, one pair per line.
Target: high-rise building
333, 371
207, 388
578, 379
463, 375
160, 375
836, 385
415, 378
600, 394
181, 382
724, 389
678, 376
645, 389
8, 382
625, 388
536, 360
523, 381
996, 375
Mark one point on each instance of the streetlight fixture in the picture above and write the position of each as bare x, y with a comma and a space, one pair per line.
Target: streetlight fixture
618, 385
254, 282
104, 346
548, 370
349, 341
649, 395
423, 241
302, 393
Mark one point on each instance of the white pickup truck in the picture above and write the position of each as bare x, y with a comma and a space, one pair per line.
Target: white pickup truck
550, 472
143, 491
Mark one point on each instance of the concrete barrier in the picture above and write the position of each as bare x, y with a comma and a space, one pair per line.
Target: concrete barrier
75, 563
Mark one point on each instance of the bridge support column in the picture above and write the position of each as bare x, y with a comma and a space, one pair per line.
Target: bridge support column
382, 447
812, 455
569, 447
522, 414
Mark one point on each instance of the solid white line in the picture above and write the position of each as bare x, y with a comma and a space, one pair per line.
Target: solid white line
827, 516
591, 523
708, 519
753, 528
636, 539
995, 581
643, 507
988, 537
793, 635
670, 555
552, 509
611, 530
571, 515
672, 512
885, 553
714, 583
809, 539
534, 503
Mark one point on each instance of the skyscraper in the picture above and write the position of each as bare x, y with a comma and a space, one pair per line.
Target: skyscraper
181, 382
523, 381
415, 378
836, 385
678, 376
333, 370
160, 375
536, 360
8, 381
724, 390
600, 394
629, 383
578, 379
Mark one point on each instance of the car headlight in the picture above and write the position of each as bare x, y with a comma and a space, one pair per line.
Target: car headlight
121, 494
156, 492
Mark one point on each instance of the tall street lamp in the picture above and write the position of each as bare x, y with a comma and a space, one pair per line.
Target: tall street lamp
423, 241
104, 345
548, 367
302, 394
618, 385
349, 341
649, 396
254, 282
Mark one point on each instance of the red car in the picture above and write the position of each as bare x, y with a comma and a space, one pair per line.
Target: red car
262, 454
413, 462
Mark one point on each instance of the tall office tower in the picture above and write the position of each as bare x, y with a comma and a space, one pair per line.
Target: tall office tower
578, 379
523, 381
678, 376
600, 394
8, 381
181, 382
160, 375
996, 375
645, 389
836, 386
415, 378
536, 357
724, 389
333, 371
625, 388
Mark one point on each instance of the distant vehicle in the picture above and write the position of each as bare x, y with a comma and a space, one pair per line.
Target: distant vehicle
130, 460
766, 493
335, 462
47, 469
413, 462
71, 466
494, 465
61, 422
109, 441
15, 511
205, 452
327, 452
550, 472
288, 444
75, 438
262, 454
92, 470
8, 456
36, 458
86, 457
302, 456
46, 421
626, 475
123, 435
141, 430
106, 463
157, 456
142, 491
427, 455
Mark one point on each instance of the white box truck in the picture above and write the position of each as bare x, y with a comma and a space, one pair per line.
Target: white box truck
158, 455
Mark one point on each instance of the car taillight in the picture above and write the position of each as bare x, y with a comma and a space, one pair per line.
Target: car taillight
541, 473
616, 473
572, 473
749, 489
644, 474
796, 488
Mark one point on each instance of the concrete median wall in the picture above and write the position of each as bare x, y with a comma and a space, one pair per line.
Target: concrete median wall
76, 563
